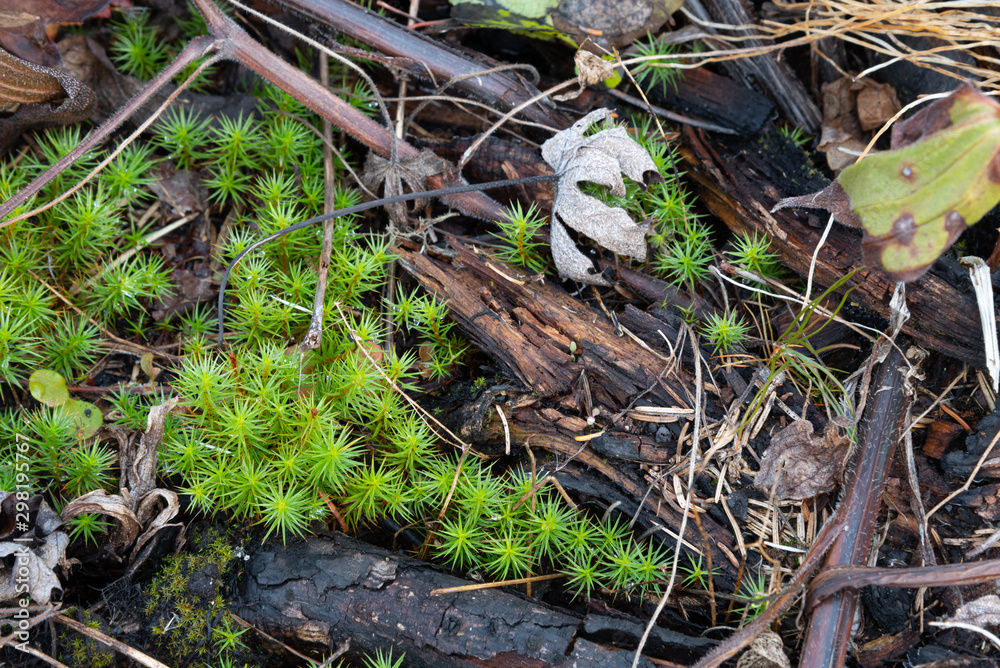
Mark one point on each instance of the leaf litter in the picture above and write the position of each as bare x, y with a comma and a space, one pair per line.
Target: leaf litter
599, 158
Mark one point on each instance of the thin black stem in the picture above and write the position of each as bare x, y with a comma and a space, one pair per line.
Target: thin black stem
405, 197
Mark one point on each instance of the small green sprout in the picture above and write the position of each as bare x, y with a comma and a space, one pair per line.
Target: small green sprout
686, 259
725, 331
138, 50
753, 253
226, 638
86, 527
381, 660
657, 70
755, 592
518, 233
794, 134
696, 573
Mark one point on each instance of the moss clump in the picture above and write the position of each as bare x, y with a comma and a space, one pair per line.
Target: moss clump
187, 614
82, 651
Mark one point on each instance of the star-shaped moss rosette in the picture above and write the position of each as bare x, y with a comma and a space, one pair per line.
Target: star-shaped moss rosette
599, 158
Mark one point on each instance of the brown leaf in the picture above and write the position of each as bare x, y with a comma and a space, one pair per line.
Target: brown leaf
35, 88
799, 465
23, 26
982, 612
599, 158
850, 109
153, 517
137, 509
766, 651
138, 464
26, 83
127, 526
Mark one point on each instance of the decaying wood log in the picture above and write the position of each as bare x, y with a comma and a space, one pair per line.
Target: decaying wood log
711, 97
528, 327
315, 593
741, 184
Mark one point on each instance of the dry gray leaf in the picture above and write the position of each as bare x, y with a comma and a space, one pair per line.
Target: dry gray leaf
599, 158
38, 548
766, 651
799, 465
412, 172
982, 612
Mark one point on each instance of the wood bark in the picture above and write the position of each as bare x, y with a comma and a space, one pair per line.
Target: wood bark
529, 326
768, 70
316, 593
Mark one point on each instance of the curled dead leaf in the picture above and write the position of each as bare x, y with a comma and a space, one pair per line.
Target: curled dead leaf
36, 545
411, 172
766, 651
598, 158
127, 525
141, 509
799, 465
983, 612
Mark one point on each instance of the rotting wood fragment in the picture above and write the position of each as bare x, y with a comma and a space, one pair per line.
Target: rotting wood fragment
523, 325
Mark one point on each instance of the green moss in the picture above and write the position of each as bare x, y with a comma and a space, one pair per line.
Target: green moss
81, 651
188, 594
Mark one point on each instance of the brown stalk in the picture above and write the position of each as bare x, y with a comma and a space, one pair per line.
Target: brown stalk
829, 630
423, 57
851, 578
880, 431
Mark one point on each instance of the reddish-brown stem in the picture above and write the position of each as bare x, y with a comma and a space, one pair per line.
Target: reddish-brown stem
839, 578
426, 58
829, 628
230, 41
239, 46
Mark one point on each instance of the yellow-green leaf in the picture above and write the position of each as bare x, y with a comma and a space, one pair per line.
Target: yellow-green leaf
87, 417
941, 175
48, 387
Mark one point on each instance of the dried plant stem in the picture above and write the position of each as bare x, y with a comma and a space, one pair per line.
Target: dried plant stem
494, 585
104, 639
314, 335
